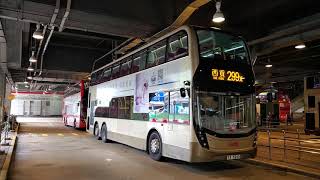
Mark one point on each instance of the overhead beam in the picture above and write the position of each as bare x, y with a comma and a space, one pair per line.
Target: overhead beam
33, 12
78, 47
86, 36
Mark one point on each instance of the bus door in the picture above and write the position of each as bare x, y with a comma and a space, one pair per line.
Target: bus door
177, 133
179, 110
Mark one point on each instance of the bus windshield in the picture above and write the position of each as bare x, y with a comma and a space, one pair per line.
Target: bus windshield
225, 114
221, 46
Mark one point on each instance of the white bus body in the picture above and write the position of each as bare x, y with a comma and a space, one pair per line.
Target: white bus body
178, 136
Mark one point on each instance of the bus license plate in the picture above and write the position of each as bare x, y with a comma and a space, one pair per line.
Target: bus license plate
232, 157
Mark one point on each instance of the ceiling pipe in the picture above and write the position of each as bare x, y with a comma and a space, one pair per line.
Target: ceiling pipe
40, 44
51, 26
65, 16
44, 50
55, 13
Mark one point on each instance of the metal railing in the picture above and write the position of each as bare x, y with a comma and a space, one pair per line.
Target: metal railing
298, 144
5, 128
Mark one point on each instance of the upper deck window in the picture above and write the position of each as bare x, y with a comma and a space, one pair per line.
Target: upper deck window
106, 75
221, 46
177, 46
125, 67
139, 61
157, 54
115, 71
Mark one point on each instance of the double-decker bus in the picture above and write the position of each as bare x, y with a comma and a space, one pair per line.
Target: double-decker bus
188, 95
75, 104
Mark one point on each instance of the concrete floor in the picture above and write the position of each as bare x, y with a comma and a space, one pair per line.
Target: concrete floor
54, 152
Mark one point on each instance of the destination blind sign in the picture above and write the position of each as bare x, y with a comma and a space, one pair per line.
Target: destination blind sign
224, 75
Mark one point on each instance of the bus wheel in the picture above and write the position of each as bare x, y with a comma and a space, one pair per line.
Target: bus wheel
96, 131
103, 133
155, 146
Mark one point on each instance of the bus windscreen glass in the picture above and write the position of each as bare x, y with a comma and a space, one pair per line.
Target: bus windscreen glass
222, 46
224, 84
225, 114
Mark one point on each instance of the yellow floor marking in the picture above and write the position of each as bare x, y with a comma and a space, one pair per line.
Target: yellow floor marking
44, 134
75, 134
59, 134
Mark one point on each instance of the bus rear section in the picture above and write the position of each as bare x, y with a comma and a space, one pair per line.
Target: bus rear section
75, 108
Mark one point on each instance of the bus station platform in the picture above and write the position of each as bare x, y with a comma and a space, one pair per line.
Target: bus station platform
46, 150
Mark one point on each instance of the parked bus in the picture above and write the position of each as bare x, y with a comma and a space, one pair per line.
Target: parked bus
188, 95
75, 107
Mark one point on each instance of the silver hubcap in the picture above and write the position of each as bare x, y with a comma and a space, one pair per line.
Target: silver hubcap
155, 145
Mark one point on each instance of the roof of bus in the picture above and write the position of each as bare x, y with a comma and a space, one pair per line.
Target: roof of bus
184, 27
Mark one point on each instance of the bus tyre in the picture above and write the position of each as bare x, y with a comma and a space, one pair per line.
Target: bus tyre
103, 133
155, 146
96, 131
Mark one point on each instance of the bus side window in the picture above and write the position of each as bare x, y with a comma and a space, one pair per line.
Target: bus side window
113, 108
139, 62
115, 71
124, 108
125, 67
137, 116
158, 106
177, 46
106, 75
157, 54
99, 76
93, 78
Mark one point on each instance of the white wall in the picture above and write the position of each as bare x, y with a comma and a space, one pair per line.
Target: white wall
37, 105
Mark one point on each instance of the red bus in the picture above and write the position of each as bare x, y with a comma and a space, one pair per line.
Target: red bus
74, 107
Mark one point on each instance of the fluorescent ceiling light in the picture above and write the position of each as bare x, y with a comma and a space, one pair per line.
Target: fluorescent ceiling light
33, 58
30, 68
218, 17
268, 65
300, 46
37, 34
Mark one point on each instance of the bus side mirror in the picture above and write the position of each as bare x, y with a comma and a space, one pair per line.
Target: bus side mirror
183, 92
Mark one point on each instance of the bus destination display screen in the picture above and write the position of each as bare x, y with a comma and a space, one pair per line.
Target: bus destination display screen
227, 75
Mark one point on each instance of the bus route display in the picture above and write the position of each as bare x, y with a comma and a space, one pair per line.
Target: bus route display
224, 75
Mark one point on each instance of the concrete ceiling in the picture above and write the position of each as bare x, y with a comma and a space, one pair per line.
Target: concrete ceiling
95, 27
